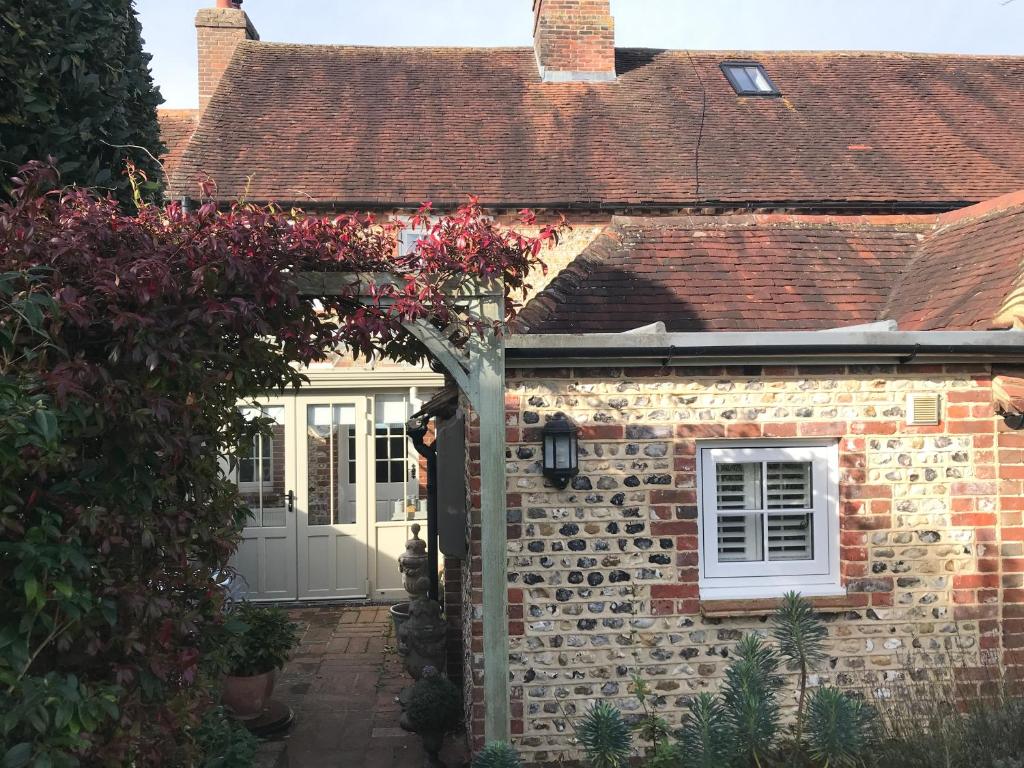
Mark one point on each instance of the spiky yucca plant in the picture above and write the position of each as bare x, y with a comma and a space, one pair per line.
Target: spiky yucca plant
497, 754
605, 737
751, 696
800, 635
838, 728
705, 740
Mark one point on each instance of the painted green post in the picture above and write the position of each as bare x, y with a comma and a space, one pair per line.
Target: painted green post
490, 373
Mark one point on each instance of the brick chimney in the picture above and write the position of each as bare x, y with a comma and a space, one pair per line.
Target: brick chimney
574, 39
218, 32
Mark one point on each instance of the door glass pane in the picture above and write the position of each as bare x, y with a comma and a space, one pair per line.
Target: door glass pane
260, 469
331, 464
400, 475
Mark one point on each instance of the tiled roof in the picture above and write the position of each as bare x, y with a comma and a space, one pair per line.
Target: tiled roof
176, 127
727, 273
964, 273
745, 273
397, 126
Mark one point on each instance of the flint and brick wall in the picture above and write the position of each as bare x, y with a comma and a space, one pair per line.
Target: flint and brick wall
603, 576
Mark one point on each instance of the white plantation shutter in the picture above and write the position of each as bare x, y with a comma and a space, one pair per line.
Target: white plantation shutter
738, 487
739, 538
788, 484
769, 519
790, 537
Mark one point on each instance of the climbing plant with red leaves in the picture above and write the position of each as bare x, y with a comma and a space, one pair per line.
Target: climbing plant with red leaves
126, 343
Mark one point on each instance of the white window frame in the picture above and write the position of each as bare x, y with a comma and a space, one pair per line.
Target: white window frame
267, 483
732, 580
408, 235
407, 239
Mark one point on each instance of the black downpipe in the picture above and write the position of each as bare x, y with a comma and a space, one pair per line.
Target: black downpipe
417, 430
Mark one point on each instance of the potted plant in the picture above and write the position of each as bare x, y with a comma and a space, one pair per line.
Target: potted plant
434, 710
259, 642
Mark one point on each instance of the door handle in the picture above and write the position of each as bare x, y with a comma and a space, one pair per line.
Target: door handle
291, 501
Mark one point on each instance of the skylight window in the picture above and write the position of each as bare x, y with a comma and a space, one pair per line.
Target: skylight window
748, 78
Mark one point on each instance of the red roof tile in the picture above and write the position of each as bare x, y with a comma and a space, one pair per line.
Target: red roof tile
176, 127
962, 274
727, 273
730, 273
396, 126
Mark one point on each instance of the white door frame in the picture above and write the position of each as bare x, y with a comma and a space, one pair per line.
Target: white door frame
268, 552
332, 558
338, 560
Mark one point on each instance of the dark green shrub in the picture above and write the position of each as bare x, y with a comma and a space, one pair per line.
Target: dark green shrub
800, 636
260, 639
435, 706
742, 726
604, 736
223, 742
705, 739
838, 728
751, 698
497, 754
77, 88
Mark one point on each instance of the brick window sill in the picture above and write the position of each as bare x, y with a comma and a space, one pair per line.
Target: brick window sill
721, 609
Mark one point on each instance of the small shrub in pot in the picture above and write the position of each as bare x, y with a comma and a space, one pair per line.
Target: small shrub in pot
259, 642
434, 710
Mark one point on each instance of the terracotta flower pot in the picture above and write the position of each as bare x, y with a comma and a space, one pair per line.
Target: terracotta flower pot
247, 696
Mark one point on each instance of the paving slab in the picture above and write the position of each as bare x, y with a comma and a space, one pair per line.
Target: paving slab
342, 683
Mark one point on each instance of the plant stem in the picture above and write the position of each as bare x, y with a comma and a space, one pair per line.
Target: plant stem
800, 705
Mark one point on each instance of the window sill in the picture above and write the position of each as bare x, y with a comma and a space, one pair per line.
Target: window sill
762, 606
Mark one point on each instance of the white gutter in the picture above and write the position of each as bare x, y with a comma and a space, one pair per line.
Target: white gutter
763, 348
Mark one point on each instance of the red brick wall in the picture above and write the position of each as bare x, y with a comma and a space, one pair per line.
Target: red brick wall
574, 35
453, 614
218, 33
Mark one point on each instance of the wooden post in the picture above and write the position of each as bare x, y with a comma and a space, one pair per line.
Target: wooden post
489, 371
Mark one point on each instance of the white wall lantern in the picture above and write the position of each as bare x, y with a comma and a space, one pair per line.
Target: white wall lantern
561, 450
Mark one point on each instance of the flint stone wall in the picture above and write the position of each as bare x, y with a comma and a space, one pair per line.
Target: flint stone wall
603, 575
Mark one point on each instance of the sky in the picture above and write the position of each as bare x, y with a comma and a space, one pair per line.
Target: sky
947, 26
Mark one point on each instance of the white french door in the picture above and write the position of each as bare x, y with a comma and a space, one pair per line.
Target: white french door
399, 490
265, 472
334, 489
332, 497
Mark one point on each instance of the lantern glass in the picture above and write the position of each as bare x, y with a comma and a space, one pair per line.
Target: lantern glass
561, 450
563, 443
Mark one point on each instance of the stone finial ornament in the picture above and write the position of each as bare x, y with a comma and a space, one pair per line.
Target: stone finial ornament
421, 637
412, 564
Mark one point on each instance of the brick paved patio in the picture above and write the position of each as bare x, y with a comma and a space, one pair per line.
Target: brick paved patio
341, 683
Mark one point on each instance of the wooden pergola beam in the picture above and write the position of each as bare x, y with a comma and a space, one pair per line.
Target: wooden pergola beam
480, 374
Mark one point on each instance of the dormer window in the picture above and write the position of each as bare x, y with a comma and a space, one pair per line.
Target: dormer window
748, 78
